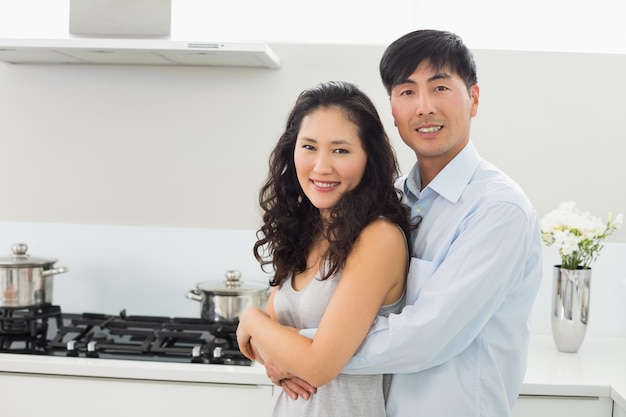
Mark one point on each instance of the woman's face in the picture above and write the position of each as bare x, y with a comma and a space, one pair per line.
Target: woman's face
329, 157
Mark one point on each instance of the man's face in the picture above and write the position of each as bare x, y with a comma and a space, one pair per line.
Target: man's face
433, 110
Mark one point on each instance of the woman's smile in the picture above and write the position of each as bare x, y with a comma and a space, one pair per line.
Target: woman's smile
325, 185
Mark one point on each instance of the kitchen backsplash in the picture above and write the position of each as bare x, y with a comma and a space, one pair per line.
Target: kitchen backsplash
148, 270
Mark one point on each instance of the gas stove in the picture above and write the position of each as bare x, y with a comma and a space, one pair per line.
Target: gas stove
46, 330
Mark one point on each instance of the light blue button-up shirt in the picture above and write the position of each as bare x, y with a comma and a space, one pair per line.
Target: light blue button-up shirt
459, 347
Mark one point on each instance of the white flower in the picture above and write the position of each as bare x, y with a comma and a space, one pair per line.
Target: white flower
577, 235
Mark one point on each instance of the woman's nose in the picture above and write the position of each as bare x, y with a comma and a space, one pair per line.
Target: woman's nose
322, 164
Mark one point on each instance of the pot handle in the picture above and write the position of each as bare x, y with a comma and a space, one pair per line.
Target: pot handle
195, 295
54, 271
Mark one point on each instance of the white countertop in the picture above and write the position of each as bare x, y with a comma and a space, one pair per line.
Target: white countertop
131, 369
598, 369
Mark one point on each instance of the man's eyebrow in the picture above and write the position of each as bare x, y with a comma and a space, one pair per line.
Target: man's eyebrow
438, 76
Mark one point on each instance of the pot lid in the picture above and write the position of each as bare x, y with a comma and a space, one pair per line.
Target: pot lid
233, 285
21, 258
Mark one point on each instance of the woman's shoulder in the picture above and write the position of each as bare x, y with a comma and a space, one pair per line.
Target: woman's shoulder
383, 224
381, 251
384, 231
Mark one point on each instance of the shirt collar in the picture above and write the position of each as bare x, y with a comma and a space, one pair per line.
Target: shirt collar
452, 179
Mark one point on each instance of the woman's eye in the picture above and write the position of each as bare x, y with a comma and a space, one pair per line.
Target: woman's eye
341, 151
308, 147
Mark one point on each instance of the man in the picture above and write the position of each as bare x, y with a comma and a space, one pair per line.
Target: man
459, 347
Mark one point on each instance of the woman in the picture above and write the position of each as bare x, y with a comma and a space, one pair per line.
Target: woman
334, 232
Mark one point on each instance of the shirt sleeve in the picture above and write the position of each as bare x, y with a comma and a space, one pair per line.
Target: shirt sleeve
450, 301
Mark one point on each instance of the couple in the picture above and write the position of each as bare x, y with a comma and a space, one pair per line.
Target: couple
336, 232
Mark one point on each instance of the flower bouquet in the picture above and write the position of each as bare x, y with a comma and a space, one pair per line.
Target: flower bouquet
577, 235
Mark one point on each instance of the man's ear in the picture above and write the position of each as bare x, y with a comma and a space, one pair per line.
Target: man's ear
474, 95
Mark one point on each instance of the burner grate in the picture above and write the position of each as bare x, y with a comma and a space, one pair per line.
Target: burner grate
94, 335
24, 329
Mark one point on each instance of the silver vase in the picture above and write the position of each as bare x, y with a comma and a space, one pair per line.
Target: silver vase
570, 307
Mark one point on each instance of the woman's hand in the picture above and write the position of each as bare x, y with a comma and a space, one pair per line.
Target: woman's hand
244, 338
293, 386
296, 387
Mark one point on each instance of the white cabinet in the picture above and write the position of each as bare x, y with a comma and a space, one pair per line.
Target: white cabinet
36, 395
618, 411
556, 406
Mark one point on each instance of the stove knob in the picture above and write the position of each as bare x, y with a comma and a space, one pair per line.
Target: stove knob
71, 348
92, 349
217, 355
217, 352
195, 354
195, 351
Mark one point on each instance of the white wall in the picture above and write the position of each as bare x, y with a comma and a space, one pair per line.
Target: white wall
143, 180
188, 147
558, 116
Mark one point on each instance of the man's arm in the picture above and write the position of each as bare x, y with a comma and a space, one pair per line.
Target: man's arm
485, 272
449, 303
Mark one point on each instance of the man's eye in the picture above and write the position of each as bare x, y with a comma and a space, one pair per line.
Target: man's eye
441, 88
406, 92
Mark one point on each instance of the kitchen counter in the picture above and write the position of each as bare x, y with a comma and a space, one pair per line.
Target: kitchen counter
597, 370
131, 369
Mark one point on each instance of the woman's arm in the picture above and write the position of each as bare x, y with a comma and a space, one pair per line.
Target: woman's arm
296, 387
244, 339
374, 272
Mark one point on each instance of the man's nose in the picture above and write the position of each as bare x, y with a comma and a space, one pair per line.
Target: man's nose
424, 105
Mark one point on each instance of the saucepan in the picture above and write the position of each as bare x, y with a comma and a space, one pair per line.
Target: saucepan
225, 303
26, 281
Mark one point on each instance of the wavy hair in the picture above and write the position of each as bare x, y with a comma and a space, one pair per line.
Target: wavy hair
291, 223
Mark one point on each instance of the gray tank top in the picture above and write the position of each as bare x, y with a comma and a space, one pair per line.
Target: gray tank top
346, 395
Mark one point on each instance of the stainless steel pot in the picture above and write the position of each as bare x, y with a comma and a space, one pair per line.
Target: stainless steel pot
26, 281
224, 304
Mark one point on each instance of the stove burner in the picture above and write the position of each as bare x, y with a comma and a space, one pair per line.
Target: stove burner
147, 338
45, 330
24, 329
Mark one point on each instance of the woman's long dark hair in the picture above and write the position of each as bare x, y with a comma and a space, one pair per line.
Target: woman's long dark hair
291, 222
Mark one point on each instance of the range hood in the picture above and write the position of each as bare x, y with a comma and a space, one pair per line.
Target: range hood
137, 52
133, 32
